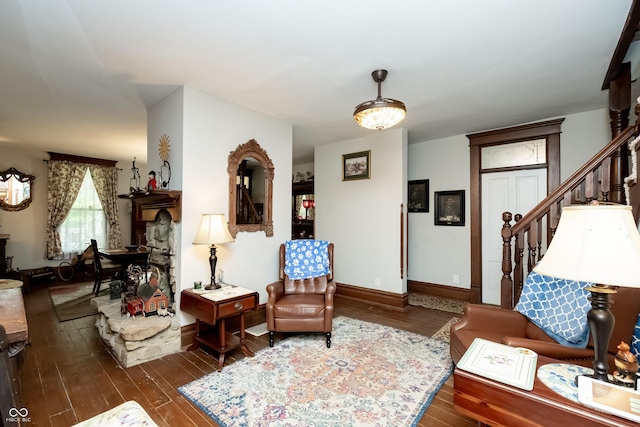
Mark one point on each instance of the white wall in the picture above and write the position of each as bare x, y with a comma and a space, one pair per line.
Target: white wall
436, 253
362, 218
211, 129
27, 227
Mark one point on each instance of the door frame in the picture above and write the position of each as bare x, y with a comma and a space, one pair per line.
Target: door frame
549, 131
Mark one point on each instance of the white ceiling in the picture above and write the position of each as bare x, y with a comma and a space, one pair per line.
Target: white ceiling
76, 76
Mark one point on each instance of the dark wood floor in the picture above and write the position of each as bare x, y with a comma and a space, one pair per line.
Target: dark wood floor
69, 376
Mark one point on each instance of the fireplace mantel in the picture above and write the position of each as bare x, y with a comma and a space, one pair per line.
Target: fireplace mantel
150, 202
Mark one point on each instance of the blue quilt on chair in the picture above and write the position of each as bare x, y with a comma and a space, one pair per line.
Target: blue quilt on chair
306, 258
557, 306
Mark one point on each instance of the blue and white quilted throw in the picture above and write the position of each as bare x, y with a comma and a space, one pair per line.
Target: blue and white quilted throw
306, 258
558, 306
635, 340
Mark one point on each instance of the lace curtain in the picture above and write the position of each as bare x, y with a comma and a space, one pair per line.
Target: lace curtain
64, 179
105, 179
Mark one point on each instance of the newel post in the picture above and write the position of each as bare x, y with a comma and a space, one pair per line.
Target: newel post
506, 283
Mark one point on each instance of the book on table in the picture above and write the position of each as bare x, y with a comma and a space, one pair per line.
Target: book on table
515, 366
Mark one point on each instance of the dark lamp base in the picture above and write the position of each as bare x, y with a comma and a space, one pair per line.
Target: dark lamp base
212, 286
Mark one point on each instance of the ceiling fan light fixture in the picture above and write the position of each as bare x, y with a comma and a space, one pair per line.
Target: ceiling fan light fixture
380, 113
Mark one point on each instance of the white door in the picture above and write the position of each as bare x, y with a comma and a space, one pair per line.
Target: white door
516, 192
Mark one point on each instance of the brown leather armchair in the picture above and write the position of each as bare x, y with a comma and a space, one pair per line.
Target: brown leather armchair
512, 328
302, 305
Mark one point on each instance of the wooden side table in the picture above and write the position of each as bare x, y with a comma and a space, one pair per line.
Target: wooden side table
497, 404
211, 307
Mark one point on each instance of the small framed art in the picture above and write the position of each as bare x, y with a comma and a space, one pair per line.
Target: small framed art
418, 194
356, 166
449, 207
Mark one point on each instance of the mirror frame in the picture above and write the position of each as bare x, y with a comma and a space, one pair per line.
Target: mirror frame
251, 148
21, 177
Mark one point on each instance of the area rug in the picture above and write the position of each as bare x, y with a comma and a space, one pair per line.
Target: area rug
444, 333
372, 375
73, 301
436, 303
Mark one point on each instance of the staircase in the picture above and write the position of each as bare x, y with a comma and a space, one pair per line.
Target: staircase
526, 237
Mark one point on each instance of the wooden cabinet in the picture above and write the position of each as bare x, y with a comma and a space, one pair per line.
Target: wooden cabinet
146, 205
302, 220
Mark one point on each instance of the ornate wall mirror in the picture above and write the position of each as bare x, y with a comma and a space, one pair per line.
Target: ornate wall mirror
15, 190
250, 189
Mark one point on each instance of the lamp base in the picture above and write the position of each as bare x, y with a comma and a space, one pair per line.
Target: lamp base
601, 322
212, 287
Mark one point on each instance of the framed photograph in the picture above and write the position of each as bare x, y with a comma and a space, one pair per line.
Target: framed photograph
418, 195
356, 166
449, 207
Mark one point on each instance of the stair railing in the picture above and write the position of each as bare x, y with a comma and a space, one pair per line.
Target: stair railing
536, 228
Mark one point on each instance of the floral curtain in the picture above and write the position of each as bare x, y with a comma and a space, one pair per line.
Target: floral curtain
105, 180
64, 179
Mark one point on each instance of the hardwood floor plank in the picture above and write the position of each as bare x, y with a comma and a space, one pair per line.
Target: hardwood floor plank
69, 375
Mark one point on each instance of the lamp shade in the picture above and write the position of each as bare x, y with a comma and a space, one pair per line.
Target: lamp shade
213, 230
380, 113
599, 244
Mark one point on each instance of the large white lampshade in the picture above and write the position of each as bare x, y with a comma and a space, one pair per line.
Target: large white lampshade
599, 244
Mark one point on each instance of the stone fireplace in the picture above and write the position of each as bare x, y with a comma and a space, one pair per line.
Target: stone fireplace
138, 339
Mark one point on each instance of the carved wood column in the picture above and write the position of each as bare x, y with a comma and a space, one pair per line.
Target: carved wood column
619, 106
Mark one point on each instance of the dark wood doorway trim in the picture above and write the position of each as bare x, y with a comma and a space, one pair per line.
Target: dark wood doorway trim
548, 130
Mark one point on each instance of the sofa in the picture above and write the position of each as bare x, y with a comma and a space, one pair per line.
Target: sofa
512, 328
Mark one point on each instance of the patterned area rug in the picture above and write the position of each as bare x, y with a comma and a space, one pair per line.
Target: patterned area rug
444, 333
436, 303
74, 301
372, 375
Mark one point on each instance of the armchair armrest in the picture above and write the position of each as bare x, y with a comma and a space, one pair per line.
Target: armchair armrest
549, 349
275, 291
485, 317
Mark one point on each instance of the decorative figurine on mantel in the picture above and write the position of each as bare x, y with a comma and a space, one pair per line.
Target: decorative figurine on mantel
627, 365
152, 184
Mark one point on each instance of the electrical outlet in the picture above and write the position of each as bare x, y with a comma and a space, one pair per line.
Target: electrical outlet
456, 278
377, 282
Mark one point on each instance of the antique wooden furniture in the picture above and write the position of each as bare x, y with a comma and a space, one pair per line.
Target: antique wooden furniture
103, 272
14, 335
145, 207
215, 307
496, 404
301, 228
301, 305
3, 254
512, 328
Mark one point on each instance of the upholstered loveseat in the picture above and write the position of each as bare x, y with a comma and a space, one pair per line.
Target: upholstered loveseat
512, 328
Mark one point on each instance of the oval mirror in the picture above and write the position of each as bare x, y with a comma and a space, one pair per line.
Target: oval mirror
15, 190
250, 189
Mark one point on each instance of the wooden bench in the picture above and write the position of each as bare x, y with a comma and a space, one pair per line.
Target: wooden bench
14, 335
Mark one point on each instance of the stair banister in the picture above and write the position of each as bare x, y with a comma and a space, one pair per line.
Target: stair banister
550, 207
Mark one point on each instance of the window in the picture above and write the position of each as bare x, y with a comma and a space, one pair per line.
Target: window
85, 221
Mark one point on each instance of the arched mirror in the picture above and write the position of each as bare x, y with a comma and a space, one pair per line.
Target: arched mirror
15, 190
250, 189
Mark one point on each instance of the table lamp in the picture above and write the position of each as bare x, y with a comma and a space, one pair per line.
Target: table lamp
598, 244
213, 230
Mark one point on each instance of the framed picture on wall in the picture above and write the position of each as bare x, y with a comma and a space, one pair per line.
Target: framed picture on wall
418, 195
356, 166
449, 207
